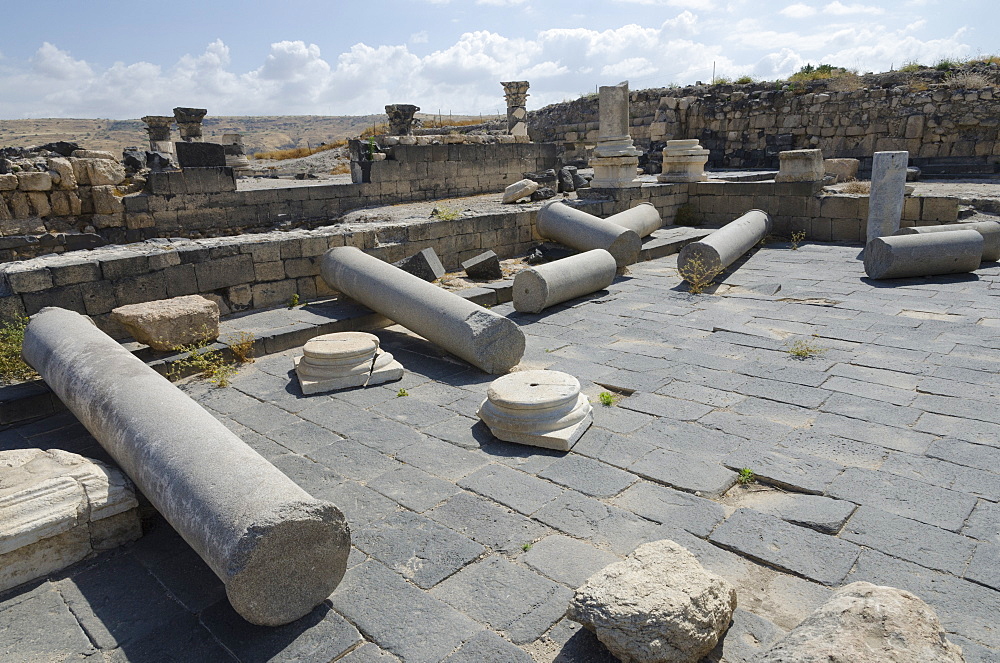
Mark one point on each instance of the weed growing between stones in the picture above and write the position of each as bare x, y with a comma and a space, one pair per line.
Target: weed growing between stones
293, 301
401, 393
607, 398
444, 213
698, 275
746, 477
12, 367
241, 345
526, 547
804, 348
203, 362
797, 237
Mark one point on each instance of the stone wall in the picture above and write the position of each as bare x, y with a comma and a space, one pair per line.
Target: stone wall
746, 126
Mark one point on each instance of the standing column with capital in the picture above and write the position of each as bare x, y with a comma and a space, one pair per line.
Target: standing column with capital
158, 128
615, 159
401, 118
516, 93
189, 123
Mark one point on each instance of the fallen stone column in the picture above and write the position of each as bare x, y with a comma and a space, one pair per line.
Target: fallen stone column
538, 288
928, 254
279, 551
990, 230
643, 219
484, 339
713, 254
582, 231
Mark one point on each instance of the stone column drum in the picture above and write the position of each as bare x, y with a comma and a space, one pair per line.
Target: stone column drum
236, 156
990, 230
724, 246
885, 202
401, 118
927, 254
158, 128
484, 339
189, 123
683, 161
582, 231
516, 94
278, 551
540, 287
643, 219
615, 157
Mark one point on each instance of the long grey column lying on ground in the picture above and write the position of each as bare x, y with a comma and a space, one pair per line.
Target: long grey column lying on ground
482, 338
538, 288
582, 231
643, 219
990, 230
279, 551
927, 254
713, 254
885, 201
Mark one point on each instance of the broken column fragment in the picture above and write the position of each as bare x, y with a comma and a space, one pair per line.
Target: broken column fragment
158, 128
540, 287
423, 264
516, 94
615, 159
236, 156
711, 255
927, 254
990, 230
279, 551
484, 339
484, 266
582, 231
643, 219
538, 408
401, 118
189, 123
342, 360
885, 202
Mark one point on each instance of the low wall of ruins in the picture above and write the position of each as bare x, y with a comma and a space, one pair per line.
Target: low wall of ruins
746, 126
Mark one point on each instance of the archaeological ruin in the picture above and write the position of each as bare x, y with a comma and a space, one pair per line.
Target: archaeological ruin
701, 374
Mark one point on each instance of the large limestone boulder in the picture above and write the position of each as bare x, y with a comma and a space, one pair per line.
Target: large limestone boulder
57, 508
168, 324
518, 190
658, 605
866, 623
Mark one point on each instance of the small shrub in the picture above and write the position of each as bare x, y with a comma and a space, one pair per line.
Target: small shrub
746, 477
444, 213
863, 187
744, 80
12, 367
968, 80
697, 274
820, 72
911, 66
203, 363
722, 80
944, 64
401, 393
241, 345
797, 237
804, 348
294, 301
607, 398
526, 547
845, 82
987, 59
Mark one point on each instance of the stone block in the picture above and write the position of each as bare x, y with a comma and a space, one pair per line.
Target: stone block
105, 200
942, 210
82, 271
142, 288
483, 266
800, 166
274, 293
64, 173
181, 280
842, 169
518, 190
269, 271
200, 155
93, 154
65, 203
98, 297
224, 272
51, 506
34, 181
170, 323
23, 280
8, 182
101, 172
424, 264
40, 206
658, 605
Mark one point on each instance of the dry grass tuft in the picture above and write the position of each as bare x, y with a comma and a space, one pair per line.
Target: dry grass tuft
968, 80
298, 152
863, 187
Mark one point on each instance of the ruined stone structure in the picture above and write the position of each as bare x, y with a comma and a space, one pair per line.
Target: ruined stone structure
615, 157
158, 128
236, 156
401, 118
189, 123
516, 94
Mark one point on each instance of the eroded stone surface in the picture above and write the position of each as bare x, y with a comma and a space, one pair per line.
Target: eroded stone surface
168, 324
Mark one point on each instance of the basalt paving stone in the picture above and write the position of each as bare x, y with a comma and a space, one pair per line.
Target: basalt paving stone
867, 390
619, 380
37, 625
749, 427
566, 560
840, 450
945, 474
184, 638
320, 635
688, 472
785, 468
822, 514
748, 636
416, 547
569, 641
619, 420
982, 524
978, 456
664, 505
804, 552
360, 504
488, 647
517, 490
368, 653
399, 617
956, 407
519, 456
488, 523
303, 437
700, 394
888, 437
506, 597
613, 448
905, 497
981, 432
590, 477
462, 431
413, 488
779, 413
353, 460
597, 522
442, 459
414, 412
899, 380
312, 477
665, 406
928, 546
985, 566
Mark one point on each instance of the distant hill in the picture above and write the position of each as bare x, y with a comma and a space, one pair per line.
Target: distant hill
260, 134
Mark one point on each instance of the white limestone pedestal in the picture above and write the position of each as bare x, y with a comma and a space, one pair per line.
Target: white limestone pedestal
684, 161
344, 360
537, 408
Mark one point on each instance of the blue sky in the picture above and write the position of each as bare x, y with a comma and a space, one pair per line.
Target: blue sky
127, 59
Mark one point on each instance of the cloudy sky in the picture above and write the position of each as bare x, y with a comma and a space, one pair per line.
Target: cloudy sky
127, 59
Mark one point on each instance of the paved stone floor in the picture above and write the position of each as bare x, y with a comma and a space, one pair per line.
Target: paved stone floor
879, 460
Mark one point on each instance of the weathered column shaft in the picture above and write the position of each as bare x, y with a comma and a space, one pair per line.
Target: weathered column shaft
279, 551
484, 339
885, 202
927, 254
516, 94
643, 219
990, 230
542, 286
721, 249
582, 231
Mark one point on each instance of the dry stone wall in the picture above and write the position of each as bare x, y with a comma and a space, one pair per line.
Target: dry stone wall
747, 126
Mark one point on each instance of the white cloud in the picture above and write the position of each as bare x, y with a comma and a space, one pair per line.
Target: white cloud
51, 62
839, 9
798, 10
419, 37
